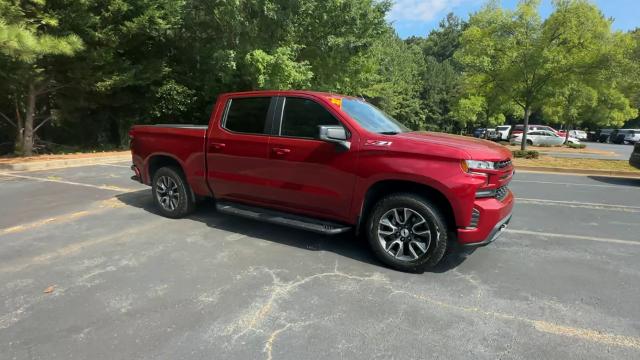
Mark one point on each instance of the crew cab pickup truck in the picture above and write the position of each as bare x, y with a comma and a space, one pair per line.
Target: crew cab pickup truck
331, 164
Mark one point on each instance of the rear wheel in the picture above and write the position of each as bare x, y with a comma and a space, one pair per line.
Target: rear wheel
407, 232
171, 193
529, 142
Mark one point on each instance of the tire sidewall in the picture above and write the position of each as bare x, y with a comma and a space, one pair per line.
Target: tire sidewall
185, 199
436, 249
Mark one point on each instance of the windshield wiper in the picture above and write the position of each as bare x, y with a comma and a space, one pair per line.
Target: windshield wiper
389, 132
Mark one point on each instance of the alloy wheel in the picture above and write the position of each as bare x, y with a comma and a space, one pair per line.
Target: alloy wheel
404, 234
167, 193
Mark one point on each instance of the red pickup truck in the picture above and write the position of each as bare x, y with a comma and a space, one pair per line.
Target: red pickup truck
330, 164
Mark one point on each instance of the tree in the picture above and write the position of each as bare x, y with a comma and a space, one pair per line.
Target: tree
28, 40
523, 57
393, 70
441, 84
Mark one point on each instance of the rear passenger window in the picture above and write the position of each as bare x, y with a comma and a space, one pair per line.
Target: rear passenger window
302, 117
248, 115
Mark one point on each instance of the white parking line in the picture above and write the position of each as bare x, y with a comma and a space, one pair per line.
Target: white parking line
101, 187
115, 165
621, 186
578, 204
568, 236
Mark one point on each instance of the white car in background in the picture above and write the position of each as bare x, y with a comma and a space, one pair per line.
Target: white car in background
578, 134
632, 137
503, 132
543, 137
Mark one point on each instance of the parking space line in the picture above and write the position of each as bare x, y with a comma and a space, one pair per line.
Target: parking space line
574, 237
101, 187
621, 186
75, 248
578, 204
115, 165
112, 203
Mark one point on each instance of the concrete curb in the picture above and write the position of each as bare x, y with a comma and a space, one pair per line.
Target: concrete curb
586, 172
63, 163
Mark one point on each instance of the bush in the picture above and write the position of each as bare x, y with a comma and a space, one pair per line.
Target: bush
527, 154
576, 146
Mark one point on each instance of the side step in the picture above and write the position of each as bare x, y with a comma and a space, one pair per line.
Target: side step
282, 218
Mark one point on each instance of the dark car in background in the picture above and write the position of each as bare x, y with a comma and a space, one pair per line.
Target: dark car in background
617, 137
604, 135
634, 160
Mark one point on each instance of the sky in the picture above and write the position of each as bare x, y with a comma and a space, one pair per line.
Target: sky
418, 17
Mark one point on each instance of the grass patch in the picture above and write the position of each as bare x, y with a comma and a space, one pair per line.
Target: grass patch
578, 164
527, 154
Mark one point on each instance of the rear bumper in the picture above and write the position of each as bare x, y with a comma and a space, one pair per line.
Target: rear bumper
137, 175
494, 217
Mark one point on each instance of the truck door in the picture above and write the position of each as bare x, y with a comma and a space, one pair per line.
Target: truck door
238, 149
309, 175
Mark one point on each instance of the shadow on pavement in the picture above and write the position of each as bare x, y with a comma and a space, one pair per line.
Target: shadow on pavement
346, 245
616, 180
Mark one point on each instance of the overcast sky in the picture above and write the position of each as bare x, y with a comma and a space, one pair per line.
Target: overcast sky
418, 17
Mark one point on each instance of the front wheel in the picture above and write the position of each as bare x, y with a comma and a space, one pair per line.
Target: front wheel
407, 232
171, 193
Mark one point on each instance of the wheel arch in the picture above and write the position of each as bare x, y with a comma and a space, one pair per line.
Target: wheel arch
157, 161
383, 188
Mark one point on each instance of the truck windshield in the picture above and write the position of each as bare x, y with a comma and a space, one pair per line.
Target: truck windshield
372, 118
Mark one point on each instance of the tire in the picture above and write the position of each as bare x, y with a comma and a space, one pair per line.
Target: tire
529, 142
171, 193
409, 248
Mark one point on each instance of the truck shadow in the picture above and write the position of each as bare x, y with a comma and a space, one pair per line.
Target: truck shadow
346, 245
616, 180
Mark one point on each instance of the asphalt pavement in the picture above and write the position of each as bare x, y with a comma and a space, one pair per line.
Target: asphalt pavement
616, 152
88, 270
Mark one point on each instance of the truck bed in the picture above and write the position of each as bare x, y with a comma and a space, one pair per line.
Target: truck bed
183, 143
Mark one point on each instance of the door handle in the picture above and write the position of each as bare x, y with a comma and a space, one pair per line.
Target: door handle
281, 151
216, 146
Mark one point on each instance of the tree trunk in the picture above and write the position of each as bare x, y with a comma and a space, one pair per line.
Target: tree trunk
566, 135
27, 149
527, 113
19, 128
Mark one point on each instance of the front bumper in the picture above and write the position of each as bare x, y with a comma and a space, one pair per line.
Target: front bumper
494, 217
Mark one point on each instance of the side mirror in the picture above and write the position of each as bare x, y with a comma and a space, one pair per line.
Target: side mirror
334, 134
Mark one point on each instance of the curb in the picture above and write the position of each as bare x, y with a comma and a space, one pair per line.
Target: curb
585, 172
63, 163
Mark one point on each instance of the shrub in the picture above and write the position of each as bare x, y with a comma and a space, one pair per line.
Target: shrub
576, 146
527, 154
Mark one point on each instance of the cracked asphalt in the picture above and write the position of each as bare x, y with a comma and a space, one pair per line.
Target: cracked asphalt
88, 270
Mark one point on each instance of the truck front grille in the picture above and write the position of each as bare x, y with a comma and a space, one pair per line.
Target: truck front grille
503, 164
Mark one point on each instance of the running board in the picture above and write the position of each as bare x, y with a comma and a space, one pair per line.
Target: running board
282, 218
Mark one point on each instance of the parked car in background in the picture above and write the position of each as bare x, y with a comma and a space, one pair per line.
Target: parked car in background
634, 160
502, 132
541, 137
604, 135
632, 137
518, 129
578, 134
479, 132
620, 136
483, 133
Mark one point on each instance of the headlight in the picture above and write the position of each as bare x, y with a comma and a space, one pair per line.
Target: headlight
480, 165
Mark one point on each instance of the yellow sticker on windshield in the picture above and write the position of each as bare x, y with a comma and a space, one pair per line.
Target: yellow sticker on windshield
336, 101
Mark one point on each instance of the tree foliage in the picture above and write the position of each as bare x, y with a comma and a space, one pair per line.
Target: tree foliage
82, 72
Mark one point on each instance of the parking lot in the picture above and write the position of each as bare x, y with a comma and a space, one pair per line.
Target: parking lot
89, 271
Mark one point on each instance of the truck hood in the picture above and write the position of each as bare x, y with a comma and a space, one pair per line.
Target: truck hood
476, 149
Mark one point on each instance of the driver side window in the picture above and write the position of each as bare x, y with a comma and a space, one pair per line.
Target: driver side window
302, 117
